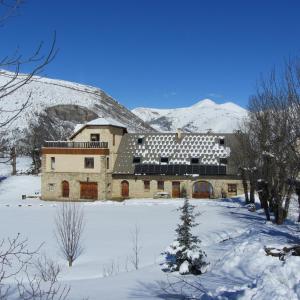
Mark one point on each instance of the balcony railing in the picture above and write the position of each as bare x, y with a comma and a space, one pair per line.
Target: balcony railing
67, 144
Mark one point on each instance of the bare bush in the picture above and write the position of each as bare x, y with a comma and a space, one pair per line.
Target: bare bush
17, 278
69, 230
47, 269
136, 247
35, 288
111, 269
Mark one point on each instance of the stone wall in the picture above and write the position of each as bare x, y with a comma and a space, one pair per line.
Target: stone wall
136, 186
52, 185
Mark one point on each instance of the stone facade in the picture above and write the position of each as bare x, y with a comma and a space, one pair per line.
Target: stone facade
137, 188
66, 175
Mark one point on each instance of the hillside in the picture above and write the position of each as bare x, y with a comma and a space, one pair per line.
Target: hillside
67, 101
203, 116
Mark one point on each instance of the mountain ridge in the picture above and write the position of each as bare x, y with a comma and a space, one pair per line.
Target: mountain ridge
204, 115
85, 101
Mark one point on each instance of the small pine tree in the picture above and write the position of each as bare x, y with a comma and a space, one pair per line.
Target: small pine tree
184, 254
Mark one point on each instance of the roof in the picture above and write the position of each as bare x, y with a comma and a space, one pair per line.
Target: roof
105, 121
97, 122
206, 147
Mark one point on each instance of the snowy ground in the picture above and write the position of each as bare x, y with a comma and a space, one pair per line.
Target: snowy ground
232, 237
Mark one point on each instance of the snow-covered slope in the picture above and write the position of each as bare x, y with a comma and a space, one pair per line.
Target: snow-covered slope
70, 97
203, 116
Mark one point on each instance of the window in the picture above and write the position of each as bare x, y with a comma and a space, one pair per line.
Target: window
52, 163
51, 187
160, 185
164, 160
222, 141
107, 162
95, 137
89, 162
147, 185
114, 139
136, 160
140, 140
194, 160
223, 161
232, 188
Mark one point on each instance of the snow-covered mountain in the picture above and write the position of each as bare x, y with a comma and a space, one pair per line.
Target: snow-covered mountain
68, 101
203, 116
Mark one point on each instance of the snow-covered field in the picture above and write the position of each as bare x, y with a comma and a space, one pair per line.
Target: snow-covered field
232, 237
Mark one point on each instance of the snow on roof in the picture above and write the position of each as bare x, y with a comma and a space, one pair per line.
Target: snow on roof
105, 121
78, 127
96, 122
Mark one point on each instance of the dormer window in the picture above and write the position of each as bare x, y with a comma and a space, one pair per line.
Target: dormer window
140, 140
222, 141
194, 160
164, 160
223, 161
95, 137
136, 159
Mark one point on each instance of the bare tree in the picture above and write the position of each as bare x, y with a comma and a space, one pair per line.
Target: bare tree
245, 161
14, 79
69, 230
17, 278
273, 113
42, 126
136, 247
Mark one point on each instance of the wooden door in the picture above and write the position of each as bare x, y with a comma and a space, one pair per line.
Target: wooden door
176, 189
89, 190
65, 189
201, 189
125, 189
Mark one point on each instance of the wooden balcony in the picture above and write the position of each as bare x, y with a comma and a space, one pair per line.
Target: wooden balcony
67, 144
83, 148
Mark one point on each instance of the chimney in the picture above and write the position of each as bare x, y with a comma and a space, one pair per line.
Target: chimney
178, 134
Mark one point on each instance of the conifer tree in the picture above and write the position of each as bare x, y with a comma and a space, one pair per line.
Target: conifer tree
184, 254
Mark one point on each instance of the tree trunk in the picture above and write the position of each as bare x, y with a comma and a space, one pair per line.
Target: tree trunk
252, 189
298, 194
287, 201
13, 157
70, 262
245, 185
263, 194
278, 209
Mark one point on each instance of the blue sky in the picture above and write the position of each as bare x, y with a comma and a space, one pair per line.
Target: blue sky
160, 53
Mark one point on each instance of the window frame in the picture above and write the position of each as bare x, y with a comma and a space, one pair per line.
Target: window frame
140, 141
159, 184
95, 134
164, 158
146, 185
51, 187
223, 160
52, 162
195, 158
136, 160
232, 188
86, 164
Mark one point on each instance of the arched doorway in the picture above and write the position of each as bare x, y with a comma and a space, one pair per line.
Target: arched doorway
202, 189
65, 189
125, 188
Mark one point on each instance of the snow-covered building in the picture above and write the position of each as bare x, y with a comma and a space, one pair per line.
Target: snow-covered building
101, 160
